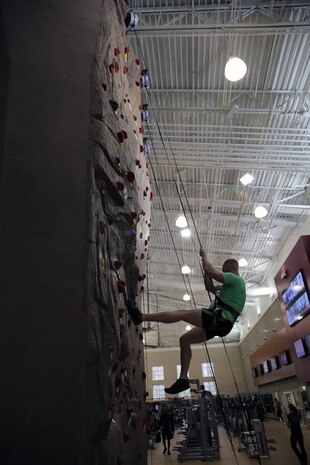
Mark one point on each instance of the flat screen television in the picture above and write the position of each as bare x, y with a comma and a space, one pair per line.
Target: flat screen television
307, 343
266, 367
300, 349
296, 299
274, 363
284, 358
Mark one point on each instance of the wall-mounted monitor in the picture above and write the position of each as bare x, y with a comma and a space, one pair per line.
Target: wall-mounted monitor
274, 363
284, 358
266, 367
296, 299
300, 349
307, 342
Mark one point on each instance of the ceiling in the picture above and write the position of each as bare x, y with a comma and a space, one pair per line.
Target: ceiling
206, 132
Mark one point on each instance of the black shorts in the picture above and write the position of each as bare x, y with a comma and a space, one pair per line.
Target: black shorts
215, 325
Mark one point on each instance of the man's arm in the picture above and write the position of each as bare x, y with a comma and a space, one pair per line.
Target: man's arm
209, 271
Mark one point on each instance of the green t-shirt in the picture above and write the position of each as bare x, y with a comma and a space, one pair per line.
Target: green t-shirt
232, 292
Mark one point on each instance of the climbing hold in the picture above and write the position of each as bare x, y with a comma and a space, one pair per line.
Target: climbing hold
137, 83
111, 68
151, 196
126, 54
104, 87
141, 288
131, 177
141, 148
117, 264
141, 235
114, 106
121, 286
116, 52
133, 215
143, 375
141, 130
102, 227
103, 186
120, 137
131, 20
125, 135
121, 312
142, 256
116, 67
125, 70
102, 263
146, 188
137, 162
120, 186
137, 62
144, 193
145, 242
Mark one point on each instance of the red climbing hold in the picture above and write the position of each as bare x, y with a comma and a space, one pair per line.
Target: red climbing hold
125, 134
102, 227
125, 70
116, 52
111, 68
120, 186
141, 235
141, 288
141, 148
120, 137
116, 66
142, 256
137, 62
138, 83
151, 196
133, 215
131, 177
117, 264
121, 286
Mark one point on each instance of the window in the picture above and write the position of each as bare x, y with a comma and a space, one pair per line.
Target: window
158, 391
207, 370
210, 386
157, 373
179, 371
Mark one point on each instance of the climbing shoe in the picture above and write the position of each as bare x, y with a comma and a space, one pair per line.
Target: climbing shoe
179, 386
134, 312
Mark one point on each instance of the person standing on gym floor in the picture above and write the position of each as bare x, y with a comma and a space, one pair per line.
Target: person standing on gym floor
217, 320
293, 422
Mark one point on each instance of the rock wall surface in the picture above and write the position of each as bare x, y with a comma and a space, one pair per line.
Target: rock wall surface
74, 227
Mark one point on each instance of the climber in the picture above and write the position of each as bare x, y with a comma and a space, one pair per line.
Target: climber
216, 320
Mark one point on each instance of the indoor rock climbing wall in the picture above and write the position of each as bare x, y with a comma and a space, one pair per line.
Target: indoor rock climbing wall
75, 202
120, 217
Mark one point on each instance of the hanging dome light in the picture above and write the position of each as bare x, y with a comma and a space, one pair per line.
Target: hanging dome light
186, 297
260, 211
235, 69
181, 221
243, 262
186, 232
185, 269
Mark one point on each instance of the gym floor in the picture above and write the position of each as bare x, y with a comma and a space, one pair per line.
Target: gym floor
278, 438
